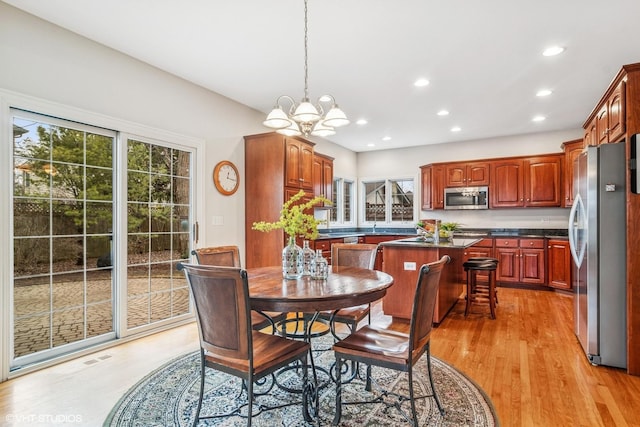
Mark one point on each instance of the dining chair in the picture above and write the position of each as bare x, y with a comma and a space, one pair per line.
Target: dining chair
227, 342
395, 350
361, 255
229, 256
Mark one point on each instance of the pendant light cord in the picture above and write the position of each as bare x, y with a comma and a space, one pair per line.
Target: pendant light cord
306, 66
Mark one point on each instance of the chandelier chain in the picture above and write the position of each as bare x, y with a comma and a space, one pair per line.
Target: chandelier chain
306, 118
306, 66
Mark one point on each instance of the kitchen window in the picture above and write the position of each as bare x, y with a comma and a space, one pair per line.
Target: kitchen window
343, 207
388, 201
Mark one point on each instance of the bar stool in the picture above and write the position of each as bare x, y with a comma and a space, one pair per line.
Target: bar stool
478, 293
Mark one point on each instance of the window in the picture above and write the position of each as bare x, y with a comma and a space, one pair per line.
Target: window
388, 201
342, 209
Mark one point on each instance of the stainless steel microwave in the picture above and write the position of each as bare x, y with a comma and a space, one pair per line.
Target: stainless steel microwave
466, 198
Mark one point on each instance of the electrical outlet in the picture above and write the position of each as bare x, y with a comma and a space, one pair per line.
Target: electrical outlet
410, 266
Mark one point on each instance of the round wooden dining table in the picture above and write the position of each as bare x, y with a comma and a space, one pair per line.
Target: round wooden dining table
344, 287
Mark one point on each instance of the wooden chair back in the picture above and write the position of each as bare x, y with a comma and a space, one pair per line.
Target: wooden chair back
361, 255
226, 256
221, 299
424, 304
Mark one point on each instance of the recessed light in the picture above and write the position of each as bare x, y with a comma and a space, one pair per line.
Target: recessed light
325, 98
553, 51
544, 92
443, 113
371, 144
421, 83
386, 138
456, 129
361, 122
538, 119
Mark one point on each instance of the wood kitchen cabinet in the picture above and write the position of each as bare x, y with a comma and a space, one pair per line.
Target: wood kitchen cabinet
542, 181
432, 187
508, 184
559, 264
298, 164
484, 248
572, 150
526, 182
610, 119
466, 174
276, 168
590, 134
322, 176
520, 260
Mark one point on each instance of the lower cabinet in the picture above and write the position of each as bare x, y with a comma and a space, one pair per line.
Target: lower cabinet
484, 248
520, 260
559, 264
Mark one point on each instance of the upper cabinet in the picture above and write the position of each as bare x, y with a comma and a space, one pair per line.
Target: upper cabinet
590, 134
572, 150
508, 181
466, 174
432, 187
610, 119
322, 175
526, 182
542, 181
298, 164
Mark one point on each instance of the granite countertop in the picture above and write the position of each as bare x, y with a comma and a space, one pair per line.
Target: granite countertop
460, 243
555, 233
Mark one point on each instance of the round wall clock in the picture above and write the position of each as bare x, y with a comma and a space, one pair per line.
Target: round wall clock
226, 177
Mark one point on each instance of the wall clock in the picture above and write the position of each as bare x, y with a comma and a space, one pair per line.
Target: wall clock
226, 177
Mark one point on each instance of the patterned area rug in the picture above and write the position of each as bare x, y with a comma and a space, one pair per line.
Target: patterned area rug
168, 397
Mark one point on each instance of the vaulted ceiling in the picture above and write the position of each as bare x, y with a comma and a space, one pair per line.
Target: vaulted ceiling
483, 58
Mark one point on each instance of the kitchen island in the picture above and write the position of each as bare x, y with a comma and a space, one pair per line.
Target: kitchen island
403, 259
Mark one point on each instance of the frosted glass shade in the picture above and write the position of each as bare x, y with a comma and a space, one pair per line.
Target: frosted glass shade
336, 117
306, 112
277, 119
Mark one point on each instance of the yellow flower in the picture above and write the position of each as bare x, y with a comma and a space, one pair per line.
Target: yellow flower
293, 219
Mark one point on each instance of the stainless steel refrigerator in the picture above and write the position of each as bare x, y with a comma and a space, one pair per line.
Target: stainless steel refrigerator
597, 237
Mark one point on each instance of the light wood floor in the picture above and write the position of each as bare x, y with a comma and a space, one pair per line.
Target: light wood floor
527, 360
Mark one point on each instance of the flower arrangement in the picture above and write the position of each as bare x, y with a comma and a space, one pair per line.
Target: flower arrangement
293, 219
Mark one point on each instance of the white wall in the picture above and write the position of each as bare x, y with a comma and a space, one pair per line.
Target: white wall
400, 162
42, 60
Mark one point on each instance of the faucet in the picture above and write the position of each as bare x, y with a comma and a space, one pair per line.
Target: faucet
436, 232
374, 226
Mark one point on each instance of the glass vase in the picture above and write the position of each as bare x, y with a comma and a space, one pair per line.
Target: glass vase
292, 260
319, 266
307, 258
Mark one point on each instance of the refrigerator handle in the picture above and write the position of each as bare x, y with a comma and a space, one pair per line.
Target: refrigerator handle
576, 209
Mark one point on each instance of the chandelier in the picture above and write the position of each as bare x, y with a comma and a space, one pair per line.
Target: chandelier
305, 118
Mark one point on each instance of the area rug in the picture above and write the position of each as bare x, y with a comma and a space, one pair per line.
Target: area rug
168, 396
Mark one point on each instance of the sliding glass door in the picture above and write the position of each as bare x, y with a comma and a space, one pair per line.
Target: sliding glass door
158, 212
63, 204
97, 233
